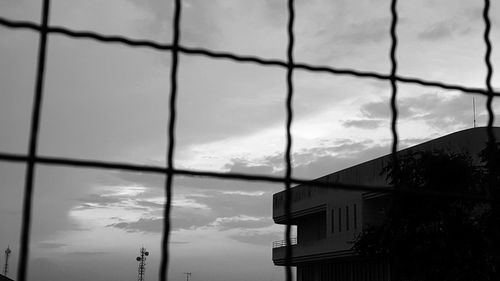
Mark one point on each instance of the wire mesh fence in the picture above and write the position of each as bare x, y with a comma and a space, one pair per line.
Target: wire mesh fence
32, 158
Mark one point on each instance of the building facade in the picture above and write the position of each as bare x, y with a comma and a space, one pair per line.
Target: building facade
329, 220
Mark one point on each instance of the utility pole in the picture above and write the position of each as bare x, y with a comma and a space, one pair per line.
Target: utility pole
187, 275
6, 266
142, 264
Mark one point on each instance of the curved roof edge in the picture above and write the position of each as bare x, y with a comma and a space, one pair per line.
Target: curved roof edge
471, 140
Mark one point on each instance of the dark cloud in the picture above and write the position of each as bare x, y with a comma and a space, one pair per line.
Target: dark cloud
142, 225
100, 199
363, 123
229, 205
412, 141
373, 31
87, 254
437, 31
50, 245
179, 242
239, 165
149, 204
434, 109
328, 164
382, 110
256, 238
180, 220
142, 179
242, 222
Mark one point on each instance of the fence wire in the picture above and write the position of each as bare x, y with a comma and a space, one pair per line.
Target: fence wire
32, 158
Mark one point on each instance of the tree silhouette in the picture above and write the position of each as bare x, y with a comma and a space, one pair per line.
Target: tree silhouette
490, 221
434, 237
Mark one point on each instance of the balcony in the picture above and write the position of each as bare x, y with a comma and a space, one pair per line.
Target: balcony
329, 248
305, 200
282, 243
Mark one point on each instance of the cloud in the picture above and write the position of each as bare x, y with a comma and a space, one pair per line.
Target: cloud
237, 204
382, 110
412, 141
329, 163
438, 31
256, 237
50, 245
88, 254
363, 123
241, 221
100, 199
372, 31
181, 219
142, 225
440, 111
240, 165
246, 193
149, 204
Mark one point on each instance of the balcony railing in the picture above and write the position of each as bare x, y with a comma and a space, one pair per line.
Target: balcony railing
282, 243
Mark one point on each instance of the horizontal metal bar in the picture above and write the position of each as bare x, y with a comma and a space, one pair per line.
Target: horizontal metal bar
59, 161
242, 58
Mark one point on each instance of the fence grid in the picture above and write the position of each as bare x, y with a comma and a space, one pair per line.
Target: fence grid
31, 159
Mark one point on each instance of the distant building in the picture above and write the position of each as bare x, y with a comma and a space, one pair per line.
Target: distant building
328, 220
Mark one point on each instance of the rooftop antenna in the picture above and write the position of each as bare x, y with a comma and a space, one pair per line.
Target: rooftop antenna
6, 266
187, 275
142, 264
474, 110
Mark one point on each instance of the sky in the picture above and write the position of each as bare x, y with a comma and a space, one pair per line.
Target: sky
110, 102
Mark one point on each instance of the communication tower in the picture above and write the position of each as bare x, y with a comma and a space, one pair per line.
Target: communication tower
6, 266
187, 275
142, 264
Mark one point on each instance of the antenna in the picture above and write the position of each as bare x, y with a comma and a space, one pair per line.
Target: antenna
6, 266
474, 110
142, 264
187, 275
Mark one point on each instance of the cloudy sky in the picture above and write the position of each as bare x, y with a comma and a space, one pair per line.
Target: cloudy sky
110, 102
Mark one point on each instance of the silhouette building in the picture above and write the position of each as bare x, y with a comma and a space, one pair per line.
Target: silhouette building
4, 278
329, 220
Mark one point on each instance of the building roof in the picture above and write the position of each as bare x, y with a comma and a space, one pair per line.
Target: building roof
471, 140
5, 278
368, 173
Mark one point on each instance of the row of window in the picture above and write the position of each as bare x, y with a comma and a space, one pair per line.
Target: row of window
341, 222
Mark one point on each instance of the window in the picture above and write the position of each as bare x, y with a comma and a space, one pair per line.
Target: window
355, 217
347, 218
340, 219
332, 220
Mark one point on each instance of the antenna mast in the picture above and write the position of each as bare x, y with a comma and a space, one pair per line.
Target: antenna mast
187, 275
6, 266
474, 110
142, 264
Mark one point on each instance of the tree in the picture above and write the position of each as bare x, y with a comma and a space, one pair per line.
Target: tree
433, 236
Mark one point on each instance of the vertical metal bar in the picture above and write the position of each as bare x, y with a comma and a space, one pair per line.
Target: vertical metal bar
394, 109
171, 144
394, 42
288, 158
489, 68
33, 144
492, 147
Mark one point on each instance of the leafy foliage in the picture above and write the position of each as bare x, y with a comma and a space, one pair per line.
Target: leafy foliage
437, 237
